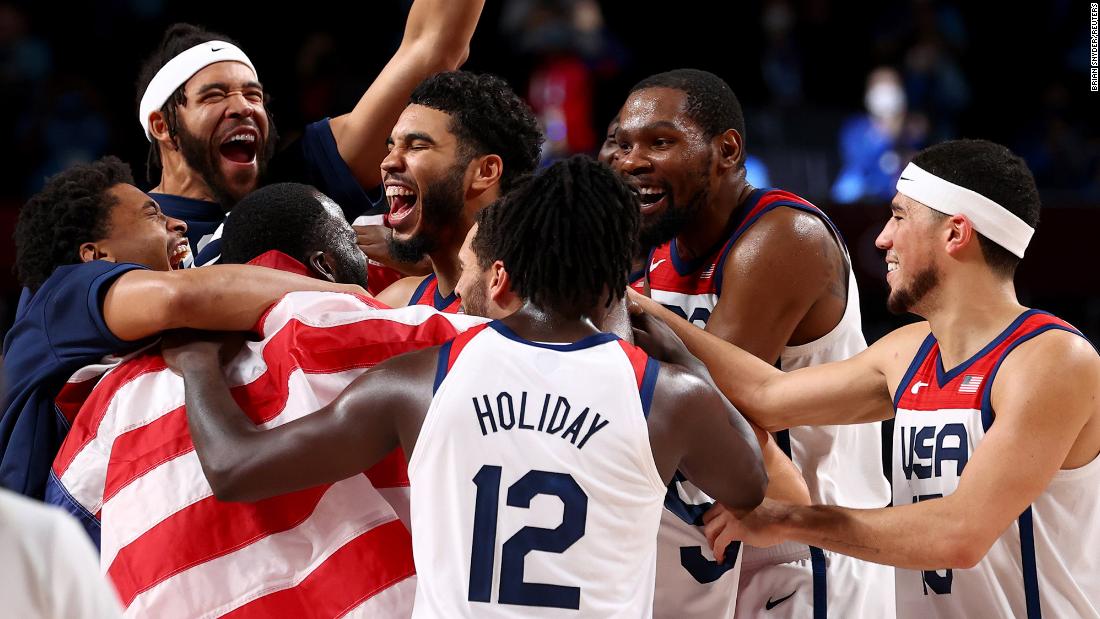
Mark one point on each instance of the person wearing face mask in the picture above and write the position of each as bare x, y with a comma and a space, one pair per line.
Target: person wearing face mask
875, 146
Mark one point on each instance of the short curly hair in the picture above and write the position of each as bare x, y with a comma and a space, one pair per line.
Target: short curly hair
567, 236
487, 117
72, 209
711, 103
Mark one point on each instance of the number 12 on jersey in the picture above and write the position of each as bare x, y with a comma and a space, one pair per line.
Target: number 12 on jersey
513, 590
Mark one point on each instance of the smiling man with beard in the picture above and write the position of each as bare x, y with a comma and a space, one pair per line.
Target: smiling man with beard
766, 270
995, 509
204, 111
461, 143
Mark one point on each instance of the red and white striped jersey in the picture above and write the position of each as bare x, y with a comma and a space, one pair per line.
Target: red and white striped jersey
1045, 563
172, 550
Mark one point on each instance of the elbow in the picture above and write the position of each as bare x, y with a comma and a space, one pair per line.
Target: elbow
750, 492
962, 548
438, 54
225, 485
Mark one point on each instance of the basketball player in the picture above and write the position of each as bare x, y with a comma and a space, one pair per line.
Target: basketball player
98, 260
766, 270
462, 142
537, 410
204, 111
996, 407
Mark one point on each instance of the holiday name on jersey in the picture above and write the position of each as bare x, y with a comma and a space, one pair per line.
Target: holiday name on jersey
508, 412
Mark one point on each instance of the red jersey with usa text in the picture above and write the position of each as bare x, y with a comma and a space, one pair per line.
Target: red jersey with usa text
1037, 566
427, 293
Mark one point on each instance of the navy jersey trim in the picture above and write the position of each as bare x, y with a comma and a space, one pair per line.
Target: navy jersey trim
821, 582
649, 383
419, 292
588, 342
96, 292
914, 365
440, 302
441, 365
1027, 563
743, 227
943, 377
987, 389
690, 513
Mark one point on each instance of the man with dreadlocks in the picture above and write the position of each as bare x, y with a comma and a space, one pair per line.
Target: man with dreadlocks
571, 416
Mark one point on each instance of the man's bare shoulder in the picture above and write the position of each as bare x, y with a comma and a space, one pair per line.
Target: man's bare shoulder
398, 293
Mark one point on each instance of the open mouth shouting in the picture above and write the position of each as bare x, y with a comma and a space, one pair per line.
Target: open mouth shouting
240, 146
178, 252
403, 202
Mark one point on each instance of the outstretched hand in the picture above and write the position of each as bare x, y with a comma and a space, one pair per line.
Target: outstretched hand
187, 348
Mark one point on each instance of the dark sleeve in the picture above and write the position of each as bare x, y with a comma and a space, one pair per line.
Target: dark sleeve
314, 159
74, 313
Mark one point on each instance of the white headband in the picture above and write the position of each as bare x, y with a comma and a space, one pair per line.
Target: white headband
988, 217
178, 70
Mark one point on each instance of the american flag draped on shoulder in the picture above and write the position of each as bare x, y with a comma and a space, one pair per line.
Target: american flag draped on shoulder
128, 468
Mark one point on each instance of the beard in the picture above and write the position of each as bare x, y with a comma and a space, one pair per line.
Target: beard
662, 227
441, 205
204, 160
475, 302
903, 300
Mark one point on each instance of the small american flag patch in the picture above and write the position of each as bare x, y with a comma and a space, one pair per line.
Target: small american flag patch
707, 274
970, 383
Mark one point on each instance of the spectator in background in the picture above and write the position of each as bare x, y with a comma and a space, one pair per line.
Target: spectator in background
874, 146
568, 41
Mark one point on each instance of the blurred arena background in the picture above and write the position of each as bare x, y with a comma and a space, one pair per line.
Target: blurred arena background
837, 95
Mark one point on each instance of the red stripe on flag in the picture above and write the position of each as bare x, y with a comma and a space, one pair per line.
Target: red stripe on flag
95, 407
140, 450
316, 350
356, 572
73, 395
211, 529
391, 472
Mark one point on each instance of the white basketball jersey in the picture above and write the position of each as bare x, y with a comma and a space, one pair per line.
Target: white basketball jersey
534, 490
1046, 564
842, 464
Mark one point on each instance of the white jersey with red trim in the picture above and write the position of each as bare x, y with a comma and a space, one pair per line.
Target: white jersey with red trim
842, 464
1045, 563
534, 490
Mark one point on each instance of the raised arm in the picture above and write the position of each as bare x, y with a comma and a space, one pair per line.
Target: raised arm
855, 390
1045, 401
229, 297
437, 38
243, 462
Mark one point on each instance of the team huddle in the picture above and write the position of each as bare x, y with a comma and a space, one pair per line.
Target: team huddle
396, 369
